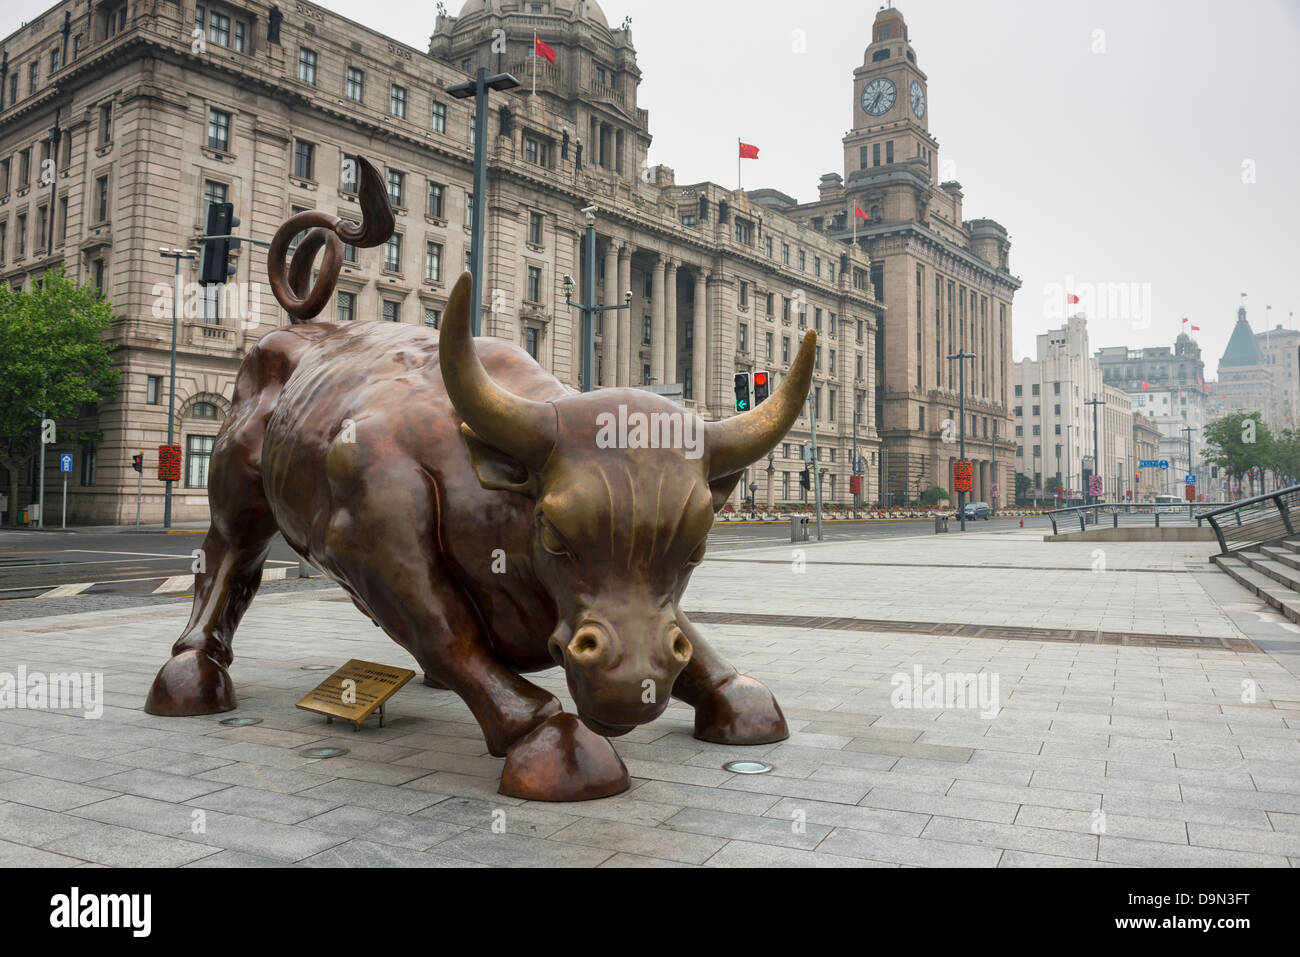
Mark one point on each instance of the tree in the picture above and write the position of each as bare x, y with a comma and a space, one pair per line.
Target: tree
934, 495
1023, 484
1239, 443
1284, 457
1050, 485
53, 360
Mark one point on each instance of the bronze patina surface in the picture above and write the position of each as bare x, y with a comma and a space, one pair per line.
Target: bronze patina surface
486, 516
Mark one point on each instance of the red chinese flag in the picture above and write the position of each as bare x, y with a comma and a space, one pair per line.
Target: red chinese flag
857, 211
542, 50
1072, 298
1184, 318
1146, 385
1196, 328
748, 152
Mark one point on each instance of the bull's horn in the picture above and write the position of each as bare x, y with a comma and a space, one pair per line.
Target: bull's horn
377, 223
520, 427
743, 439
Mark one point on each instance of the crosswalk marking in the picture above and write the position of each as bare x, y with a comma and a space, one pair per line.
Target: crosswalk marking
67, 591
175, 583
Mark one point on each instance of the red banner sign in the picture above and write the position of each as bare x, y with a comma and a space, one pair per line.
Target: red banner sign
961, 476
169, 463
855, 484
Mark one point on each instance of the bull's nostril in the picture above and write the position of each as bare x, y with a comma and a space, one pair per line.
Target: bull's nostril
587, 646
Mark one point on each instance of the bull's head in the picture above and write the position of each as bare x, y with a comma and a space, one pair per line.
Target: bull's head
625, 484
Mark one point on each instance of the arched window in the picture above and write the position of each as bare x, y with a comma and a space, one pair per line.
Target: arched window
203, 410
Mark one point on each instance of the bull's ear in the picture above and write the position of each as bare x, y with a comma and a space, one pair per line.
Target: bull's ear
723, 487
495, 469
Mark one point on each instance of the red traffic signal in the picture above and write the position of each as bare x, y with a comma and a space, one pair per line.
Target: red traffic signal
137, 462
761, 387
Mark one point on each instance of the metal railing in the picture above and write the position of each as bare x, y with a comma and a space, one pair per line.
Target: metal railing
1129, 513
1254, 521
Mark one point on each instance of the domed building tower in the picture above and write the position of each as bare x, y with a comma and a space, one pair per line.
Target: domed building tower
593, 82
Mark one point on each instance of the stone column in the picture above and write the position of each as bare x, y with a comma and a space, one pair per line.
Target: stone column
609, 352
699, 357
657, 320
670, 324
623, 317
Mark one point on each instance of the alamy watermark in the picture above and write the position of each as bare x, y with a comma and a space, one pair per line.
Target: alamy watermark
935, 690
38, 691
651, 430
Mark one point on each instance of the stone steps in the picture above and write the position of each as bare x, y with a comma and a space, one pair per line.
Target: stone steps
1272, 572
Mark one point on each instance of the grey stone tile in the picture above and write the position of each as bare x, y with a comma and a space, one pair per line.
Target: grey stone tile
636, 839
972, 808
748, 854
51, 794
400, 830
265, 805
173, 762
157, 784
1255, 840
1030, 859
20, 855
267, 778
796, 832
35, 826
234, 859
358, 853
1117, 825
1124, 850
63, 767
852, 816
530, 820
518, 850
127, 847
1012, 837
1264, 800
692, 795
1008, 794
638, 861
381, 797
900, 849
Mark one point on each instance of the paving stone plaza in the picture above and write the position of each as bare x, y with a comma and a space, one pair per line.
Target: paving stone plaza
1136, 708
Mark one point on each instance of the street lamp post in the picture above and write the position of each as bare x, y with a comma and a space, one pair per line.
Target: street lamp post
177, 255
1191, 466
1096, 445
961, 496
588, 305
478, 88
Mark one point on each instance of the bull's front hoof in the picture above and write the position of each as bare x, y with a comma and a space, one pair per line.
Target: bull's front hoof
191, 683
563, 760
740, 711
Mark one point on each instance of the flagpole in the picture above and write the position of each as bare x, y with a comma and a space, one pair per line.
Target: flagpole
737, 164
534, 63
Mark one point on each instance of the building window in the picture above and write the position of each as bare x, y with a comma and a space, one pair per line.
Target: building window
530, 342
534, 289
101, 199
198, 455
219, 130
392, 311
742, 337
307, 65
203, 410
432, 317
875, 154
396, 187
744, 294
99, 275
785, 348
433, 261
469, 210
397, 101
88, 457
535, 151
304, 155
356, 84
768, 339
439, 117
645, 331
106, 124
152, 389
803, 264
435, 200
346, 306
219, 30
393, 253
348, 174
785, 253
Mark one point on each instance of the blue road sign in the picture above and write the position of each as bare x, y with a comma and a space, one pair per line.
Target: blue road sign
1189, 479
65, 462
1153, 464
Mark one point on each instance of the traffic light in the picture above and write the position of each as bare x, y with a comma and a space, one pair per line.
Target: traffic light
216, 266
137, 462
760, 387
741, 380
805, 478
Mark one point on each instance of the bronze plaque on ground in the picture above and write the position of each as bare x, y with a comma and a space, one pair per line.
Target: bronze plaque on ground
355, 691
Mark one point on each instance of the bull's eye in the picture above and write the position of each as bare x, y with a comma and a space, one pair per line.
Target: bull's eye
551, 540
697, 556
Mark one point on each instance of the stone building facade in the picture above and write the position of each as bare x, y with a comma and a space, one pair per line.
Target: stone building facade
945, 280
165, 107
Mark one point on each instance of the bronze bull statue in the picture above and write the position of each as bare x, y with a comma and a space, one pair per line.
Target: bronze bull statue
488, 517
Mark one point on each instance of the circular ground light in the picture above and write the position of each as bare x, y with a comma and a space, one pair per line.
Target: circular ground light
315, 668
323, 752
747, 767
240, 722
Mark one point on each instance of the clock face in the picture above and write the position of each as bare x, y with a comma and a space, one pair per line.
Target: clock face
918, 99
878, 96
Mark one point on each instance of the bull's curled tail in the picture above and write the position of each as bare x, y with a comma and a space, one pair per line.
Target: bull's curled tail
302, 299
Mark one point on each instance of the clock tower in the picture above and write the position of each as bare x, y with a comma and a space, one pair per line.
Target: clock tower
890, 105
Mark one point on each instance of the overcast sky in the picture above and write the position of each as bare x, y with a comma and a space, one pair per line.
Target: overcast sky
1117, 167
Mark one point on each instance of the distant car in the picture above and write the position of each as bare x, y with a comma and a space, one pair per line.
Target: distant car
978, 510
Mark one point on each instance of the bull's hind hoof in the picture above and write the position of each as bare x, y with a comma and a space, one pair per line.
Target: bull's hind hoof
191, 683
740, 711
563, 760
